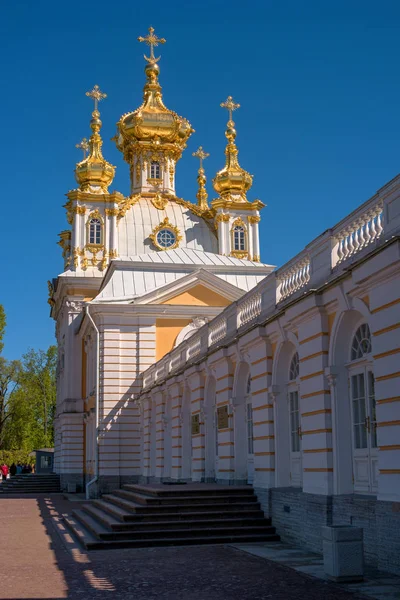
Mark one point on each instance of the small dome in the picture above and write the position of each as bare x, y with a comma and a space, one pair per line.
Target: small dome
142, 221
232, 179
94, 174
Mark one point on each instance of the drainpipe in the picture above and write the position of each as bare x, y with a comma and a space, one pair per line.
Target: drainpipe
96, 406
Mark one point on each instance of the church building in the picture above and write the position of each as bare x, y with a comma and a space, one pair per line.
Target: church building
183, 357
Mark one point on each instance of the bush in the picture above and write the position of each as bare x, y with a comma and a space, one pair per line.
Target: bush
16, 456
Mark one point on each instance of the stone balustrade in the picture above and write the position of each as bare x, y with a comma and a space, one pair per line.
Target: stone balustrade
321, 260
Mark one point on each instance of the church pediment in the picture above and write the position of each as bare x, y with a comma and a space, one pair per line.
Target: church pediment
200, 288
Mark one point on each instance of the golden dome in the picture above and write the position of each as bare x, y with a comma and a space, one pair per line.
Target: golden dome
232, 180
152, 124
94, 174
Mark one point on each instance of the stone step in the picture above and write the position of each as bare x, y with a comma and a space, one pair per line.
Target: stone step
127, 516
145, 500
115, 524
181, 490
129, 505
91, 542
102, 532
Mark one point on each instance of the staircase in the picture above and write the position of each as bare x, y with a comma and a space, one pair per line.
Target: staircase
162, 515
31, 483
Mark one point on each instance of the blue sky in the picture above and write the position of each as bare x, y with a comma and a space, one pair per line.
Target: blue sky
319, 124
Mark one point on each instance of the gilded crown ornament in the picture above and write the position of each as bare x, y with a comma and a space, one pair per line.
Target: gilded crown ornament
201, 179
152, 132
232, 182
94, 174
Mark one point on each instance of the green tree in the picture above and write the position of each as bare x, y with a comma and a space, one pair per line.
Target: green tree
38, 385
10, 376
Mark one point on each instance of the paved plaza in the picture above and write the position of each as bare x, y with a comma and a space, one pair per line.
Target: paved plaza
39, 559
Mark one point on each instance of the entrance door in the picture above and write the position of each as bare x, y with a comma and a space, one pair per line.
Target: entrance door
363, 412
250, 442
296, 474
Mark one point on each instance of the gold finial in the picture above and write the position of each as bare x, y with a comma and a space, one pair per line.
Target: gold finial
97, 96
94, 174
230, 106
151, 40
201, 155
84, 146
201, 179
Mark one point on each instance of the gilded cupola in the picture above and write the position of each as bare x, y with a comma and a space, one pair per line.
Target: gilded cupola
94, 174
152, 133
232, 182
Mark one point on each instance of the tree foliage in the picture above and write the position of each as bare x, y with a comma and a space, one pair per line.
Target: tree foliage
2, 326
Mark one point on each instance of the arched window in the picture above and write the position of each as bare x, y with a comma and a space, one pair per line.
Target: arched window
361, 342
363, 412
239, 238
94, 231
155, 170
295, 423
294, 367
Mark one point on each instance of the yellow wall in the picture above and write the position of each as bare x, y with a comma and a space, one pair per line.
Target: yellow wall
167, 331
199, 295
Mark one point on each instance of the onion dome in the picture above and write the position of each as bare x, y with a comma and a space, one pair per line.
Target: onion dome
232, 182
152, 124
94, 174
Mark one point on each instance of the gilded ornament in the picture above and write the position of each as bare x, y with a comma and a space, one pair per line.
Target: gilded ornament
166, 224
126, 204
256, 258
94, 174
232, 181
201, 179
253, 219
113, 254
239, 254
112, 212
159, 202
224, 217
84, 146
84, 263
171, 175
138, 171
239, 223
50, 288
75, 254
152, 129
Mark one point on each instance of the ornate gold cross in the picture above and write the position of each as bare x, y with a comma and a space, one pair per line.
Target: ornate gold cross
230, 106
200, 154
152, 40
97, 95
84, 146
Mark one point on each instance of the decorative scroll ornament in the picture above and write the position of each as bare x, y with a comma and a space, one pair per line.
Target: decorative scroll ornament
166, 224
232, 182
201, 179
94, 174
50, 288
159, 202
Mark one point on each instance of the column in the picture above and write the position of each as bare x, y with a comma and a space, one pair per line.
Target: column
195, 378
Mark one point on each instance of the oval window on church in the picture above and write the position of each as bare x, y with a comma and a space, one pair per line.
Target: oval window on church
166, 238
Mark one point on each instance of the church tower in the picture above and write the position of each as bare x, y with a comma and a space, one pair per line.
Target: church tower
237, 218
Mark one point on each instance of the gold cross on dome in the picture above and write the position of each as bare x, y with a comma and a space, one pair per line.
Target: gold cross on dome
201, 155
84, 146
230, 106
151, 40
97, 95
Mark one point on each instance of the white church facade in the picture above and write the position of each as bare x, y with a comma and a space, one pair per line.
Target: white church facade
182, 357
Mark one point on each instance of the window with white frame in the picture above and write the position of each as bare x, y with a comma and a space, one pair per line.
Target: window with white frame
94, 231
155, 170
361, 342
294, 414
239, 238
363, 411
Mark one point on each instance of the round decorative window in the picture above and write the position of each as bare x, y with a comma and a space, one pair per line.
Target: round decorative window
166, 238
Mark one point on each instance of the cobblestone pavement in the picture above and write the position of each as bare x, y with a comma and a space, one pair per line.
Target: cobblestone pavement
39, 559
